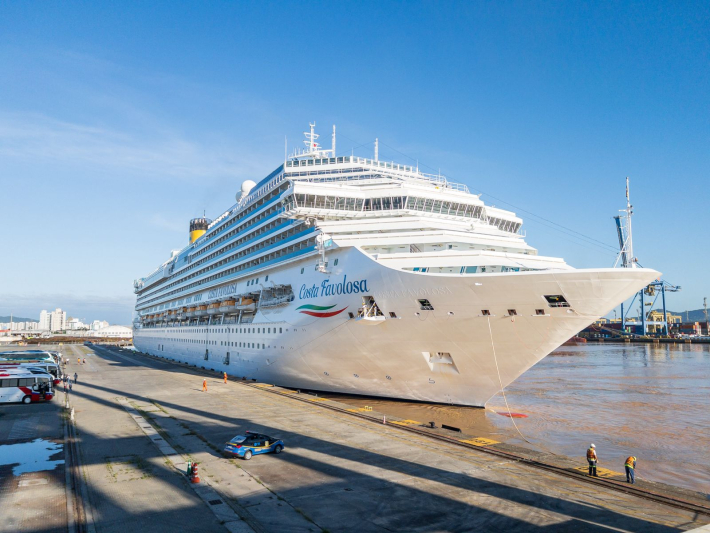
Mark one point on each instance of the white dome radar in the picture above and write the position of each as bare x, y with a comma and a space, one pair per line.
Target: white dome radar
247, 186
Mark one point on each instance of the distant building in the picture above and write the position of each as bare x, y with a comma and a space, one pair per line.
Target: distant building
98, 324
119, 332
75, 324
44, 320
57, 320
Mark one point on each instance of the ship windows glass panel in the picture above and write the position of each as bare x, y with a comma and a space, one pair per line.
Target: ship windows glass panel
425, 305
428, 204
470, 270
556, 300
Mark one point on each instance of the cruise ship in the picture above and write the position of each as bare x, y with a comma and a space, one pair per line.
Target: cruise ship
360, 276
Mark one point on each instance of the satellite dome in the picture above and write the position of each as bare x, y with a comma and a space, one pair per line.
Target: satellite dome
247, 186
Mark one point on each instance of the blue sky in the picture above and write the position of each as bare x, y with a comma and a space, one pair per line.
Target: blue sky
120, 121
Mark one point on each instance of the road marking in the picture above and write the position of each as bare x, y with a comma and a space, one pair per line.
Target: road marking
406, 422
480, 441
601, 472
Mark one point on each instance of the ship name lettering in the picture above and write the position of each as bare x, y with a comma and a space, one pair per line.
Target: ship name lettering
333, 289
222, 291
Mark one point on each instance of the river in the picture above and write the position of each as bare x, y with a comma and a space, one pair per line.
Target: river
651, 401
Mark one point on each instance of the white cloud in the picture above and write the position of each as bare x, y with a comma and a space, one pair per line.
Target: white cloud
33, 137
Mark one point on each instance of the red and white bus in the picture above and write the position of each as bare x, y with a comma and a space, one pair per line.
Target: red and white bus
44, 366
20, 385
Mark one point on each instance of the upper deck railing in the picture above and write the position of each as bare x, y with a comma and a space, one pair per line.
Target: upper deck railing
404, 171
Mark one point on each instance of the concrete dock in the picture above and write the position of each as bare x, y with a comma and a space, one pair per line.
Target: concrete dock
138, 420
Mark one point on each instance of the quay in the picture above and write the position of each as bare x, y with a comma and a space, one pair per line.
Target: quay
138, 419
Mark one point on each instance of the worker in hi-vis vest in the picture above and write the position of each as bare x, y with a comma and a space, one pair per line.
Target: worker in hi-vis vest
204, 385
630, 466
225, 377
592, 460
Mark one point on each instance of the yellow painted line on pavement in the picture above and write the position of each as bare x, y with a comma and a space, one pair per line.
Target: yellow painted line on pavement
601, 472
318, 399
480, 441
405, 422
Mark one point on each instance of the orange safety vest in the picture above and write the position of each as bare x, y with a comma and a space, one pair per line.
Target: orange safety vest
630, 462
591, 454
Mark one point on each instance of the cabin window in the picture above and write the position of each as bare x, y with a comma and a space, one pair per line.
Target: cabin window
335, 263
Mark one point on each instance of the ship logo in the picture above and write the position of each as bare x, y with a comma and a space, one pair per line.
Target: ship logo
319, 310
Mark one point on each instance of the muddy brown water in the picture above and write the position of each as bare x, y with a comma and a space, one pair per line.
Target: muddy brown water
651, 401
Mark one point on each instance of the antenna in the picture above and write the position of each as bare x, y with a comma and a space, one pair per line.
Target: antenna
333, 149
377, 150
623, 229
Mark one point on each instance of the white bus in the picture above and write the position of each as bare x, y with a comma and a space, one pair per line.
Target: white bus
45, 366
29, 354
20, 385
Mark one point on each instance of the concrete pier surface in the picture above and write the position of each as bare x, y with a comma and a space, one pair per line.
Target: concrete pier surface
139, 419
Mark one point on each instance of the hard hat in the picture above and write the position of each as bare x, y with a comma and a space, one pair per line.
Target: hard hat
592, 446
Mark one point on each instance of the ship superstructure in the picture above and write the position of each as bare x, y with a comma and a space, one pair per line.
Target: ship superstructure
356, 275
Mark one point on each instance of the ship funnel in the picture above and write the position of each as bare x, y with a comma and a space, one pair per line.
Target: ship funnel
198, 227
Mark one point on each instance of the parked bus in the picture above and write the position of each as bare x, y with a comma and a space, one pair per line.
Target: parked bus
21, 385
48, 367
29, 355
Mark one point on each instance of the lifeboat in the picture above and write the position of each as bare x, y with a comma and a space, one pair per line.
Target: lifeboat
201, 310
191, 311
246, 304
227, 305
213, 308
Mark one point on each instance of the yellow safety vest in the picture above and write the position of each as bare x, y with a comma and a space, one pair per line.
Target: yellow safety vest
630, 461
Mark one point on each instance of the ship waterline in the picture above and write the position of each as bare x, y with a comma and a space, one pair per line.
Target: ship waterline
357, 276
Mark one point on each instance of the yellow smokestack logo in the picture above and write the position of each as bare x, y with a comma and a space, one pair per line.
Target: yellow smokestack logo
198, 227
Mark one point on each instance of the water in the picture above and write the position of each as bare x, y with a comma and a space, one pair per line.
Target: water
651, 401
32, 456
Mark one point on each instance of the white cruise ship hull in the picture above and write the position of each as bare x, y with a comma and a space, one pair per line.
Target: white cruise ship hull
455, 353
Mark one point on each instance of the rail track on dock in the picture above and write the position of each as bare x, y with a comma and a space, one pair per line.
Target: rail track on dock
611, 484
533, 463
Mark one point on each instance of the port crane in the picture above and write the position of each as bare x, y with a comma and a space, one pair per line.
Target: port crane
627, 259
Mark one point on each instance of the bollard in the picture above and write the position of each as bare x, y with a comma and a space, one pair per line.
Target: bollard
384, 419
189, 469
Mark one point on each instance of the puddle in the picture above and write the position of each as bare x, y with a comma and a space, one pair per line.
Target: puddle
30, 456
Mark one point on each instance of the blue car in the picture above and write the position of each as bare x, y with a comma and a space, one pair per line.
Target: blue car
245, 446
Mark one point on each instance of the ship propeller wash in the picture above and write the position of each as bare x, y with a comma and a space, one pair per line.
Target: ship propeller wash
362, 276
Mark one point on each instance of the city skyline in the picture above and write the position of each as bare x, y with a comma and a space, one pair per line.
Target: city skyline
116, 132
